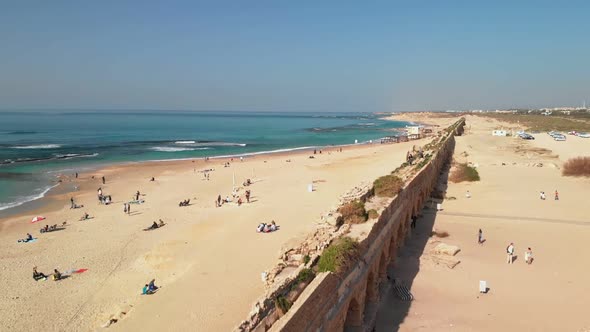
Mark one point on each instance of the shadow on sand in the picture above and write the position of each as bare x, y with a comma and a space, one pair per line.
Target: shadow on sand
392, 311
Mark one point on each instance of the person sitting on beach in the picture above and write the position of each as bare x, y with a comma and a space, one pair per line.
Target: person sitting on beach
38, 275
86, 216
239, 201
150, 288
27, 239
46, 228
227, 200
152, 179
273, 226
56, 275
161, 223
260, 227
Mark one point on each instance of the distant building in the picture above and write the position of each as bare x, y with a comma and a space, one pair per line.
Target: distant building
413, 130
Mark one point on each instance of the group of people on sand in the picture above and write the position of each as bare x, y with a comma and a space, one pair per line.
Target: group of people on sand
220, 201
73, 204
267, 228
528, 254
543, 197
56, 275
155, 225
48, 228
510, 250
186, 202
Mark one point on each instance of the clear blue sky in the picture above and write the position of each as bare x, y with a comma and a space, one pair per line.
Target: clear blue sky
294, 55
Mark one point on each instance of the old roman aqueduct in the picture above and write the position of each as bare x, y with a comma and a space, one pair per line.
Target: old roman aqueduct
348, 301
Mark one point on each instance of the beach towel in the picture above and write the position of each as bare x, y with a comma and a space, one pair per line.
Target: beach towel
72, 271
33, 240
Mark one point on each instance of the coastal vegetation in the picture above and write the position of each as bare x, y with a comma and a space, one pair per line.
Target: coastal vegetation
388, 185
373, 214
353, 212
579, 166
283, 304
464, 173
338, 255
538, 122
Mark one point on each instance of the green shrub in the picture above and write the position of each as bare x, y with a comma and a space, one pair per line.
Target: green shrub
353, 212
464, 172
338, 255
388, 186
306, 259
305, 275
373, 214
283, 304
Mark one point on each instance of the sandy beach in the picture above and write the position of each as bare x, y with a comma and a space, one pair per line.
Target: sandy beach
547, 295
207, 260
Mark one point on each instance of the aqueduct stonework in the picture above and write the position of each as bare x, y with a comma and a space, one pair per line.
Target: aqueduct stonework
349, 302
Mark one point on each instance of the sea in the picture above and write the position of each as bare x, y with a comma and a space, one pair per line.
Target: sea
36, 146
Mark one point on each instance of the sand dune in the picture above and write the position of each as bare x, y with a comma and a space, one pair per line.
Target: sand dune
548, 295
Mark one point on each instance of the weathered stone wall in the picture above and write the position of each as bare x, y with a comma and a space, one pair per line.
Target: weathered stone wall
349, 302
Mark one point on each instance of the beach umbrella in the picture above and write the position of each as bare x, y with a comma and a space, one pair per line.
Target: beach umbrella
37, 218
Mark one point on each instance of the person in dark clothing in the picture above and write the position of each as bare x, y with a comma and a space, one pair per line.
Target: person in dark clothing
414, 219
38, 275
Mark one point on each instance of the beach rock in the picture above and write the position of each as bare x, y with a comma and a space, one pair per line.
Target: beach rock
446, 249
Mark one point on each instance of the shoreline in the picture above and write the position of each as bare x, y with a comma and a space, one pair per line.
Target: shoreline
40, 200
49, 201
198, 249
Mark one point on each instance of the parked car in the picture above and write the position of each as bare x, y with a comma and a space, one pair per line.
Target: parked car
584, 135
559, 137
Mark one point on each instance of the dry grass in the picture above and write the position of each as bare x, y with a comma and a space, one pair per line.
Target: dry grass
373, 214
353, 212
339, 255
464, 172
579, 166
388, 186
537, 122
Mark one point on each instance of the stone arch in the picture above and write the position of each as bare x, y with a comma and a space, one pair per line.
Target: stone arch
371, 295
383, 264
393, 248
354, 315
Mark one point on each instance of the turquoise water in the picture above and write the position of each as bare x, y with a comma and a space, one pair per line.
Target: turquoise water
34, 146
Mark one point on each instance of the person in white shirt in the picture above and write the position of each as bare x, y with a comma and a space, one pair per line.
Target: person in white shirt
510, 253
528, 256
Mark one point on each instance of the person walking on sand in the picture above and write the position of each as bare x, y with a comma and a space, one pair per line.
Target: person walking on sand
128, 209
125, 208
413, 224
103, 180
556, 195
528, 256
510, 252
542, 195
468, 194
72, 203
480, 237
